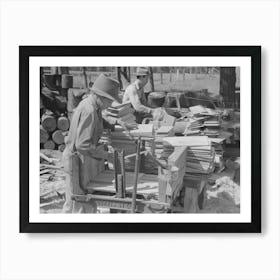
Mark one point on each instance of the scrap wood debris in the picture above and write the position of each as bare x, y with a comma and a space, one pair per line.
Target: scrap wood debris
223, 197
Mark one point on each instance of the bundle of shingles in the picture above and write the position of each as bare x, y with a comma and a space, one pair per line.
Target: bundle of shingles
53, 130
203, 121
194, 126
212, 127
200, 159
122, 112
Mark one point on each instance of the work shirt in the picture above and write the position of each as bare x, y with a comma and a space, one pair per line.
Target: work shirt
137, 98
82, 157
86, 129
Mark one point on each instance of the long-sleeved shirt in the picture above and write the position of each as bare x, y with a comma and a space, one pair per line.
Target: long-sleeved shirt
137, 98
86, 129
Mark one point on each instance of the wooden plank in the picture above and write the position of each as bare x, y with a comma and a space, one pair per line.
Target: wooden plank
145, 130
171, 181
147, 184
119, 203
187, 141
168, 120
142, 188
178, 157
191, 200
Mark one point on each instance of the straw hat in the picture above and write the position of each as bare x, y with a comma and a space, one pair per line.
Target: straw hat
106, 87
142, 71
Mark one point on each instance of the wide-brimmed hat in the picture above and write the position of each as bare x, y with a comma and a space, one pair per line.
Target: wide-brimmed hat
106, 87
142, 71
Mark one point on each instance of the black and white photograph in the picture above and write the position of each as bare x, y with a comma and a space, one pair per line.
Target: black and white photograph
140, 139
170, 137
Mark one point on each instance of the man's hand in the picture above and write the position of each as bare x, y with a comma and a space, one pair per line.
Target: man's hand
127, 125
158, 114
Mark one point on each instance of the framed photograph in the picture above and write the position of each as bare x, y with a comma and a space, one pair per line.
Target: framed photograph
140, 139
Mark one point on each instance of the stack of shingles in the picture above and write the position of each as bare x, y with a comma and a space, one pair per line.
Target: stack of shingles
200, 159
194, 126
53, 131
203, 121
155, 147
212, 127
122, 112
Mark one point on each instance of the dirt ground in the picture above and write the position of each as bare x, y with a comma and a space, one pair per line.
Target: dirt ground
222, 193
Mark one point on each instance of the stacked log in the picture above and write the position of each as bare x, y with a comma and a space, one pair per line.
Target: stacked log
44, 135
48, 122
53, 130
63, 123
58, 137
49, 145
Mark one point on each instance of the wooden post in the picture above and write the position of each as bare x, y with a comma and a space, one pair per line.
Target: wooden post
54, 70
170, 75
128, 74
62, 70
152, 79
85, 77
178, 72
137, 161
116, 170
184, 70
161, 77
119, 77
123, 194
227, 84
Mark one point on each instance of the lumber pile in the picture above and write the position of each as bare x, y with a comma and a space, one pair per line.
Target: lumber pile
200, 159
200, 156
194, 126
204, 155
53, 130
200, 121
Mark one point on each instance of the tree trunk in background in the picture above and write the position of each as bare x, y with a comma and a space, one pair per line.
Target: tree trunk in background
129, 74
119, 76
152, 79
123, 76
85, 77
177, 73
227, 85
63, 70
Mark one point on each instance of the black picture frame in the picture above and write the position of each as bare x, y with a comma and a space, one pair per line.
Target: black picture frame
25, 52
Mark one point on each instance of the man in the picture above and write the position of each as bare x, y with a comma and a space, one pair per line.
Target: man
134, 94
83, 158
75, 96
